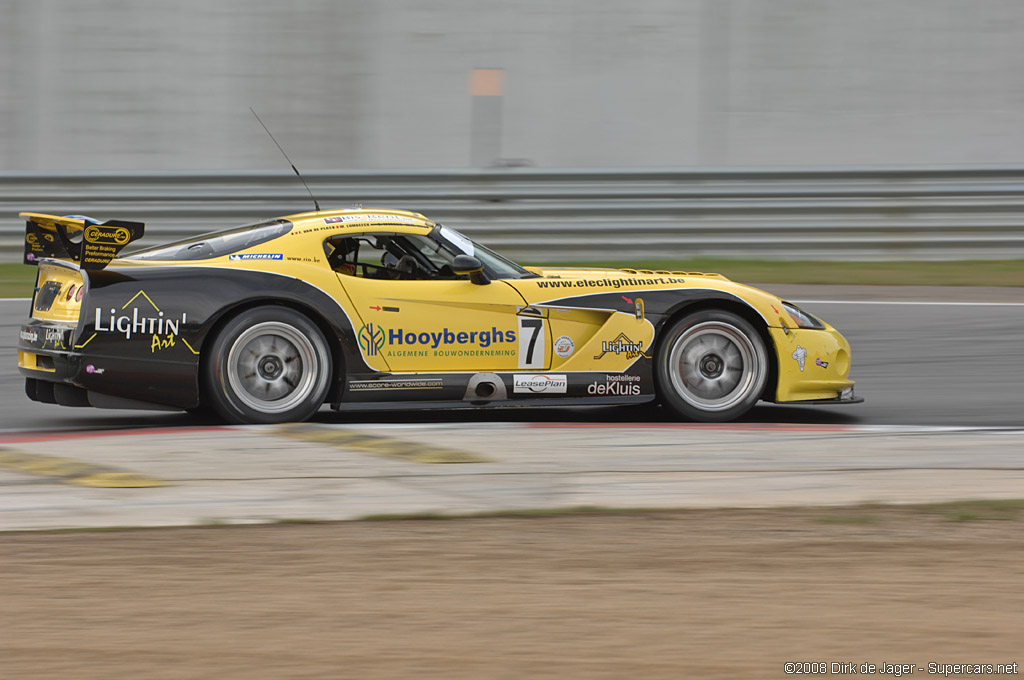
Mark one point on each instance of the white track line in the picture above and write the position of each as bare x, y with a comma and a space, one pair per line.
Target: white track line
908, 302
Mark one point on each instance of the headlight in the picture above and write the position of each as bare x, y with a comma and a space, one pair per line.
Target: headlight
802, 318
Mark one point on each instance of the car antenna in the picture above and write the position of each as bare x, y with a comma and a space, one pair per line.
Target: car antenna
315, 202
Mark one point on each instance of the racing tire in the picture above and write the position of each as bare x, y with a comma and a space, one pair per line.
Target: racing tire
711, 366
267, 365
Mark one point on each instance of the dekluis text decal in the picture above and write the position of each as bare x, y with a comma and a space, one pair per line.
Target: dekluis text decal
617, 385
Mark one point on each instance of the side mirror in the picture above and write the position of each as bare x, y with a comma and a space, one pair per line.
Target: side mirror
469, 265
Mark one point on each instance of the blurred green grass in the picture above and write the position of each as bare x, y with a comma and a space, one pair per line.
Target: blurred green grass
16, 280
955, 273
976, 510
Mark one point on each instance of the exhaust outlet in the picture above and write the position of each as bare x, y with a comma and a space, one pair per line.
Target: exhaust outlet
485, 387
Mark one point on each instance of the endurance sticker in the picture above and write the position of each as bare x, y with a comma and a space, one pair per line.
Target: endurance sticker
564, 346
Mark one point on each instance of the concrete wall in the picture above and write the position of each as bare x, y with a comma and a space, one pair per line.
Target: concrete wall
130, 84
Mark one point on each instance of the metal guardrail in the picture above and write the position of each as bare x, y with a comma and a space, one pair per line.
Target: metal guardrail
966, 212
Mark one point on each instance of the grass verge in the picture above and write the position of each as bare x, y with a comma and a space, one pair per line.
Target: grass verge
954, 511
526, 513
16, 280
847, 519
972, 511
856, 514
959, 273
865, 514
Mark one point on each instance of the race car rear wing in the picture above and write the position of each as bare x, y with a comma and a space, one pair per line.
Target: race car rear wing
90, 244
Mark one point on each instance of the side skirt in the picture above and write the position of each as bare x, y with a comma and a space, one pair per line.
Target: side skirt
508, 389
508, 403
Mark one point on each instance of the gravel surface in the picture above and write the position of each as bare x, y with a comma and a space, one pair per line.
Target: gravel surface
698, 594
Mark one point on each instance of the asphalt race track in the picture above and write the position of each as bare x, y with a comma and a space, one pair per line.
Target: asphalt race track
941, 370
921, 356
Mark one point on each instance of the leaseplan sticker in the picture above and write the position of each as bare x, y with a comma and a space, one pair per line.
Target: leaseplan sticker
256, 256
537, 384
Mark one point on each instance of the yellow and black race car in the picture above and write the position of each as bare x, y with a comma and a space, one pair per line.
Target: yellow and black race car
386, 309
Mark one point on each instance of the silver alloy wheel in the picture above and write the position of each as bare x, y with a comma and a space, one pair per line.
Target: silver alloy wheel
272, 367
714, 366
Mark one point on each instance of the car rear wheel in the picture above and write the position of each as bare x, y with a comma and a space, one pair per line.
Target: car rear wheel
712, 366
268, 365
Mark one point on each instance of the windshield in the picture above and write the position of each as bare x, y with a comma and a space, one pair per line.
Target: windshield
496, 266
216, 244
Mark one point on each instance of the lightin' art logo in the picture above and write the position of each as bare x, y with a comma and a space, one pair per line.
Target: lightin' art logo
371, 339
623, 345
140, 316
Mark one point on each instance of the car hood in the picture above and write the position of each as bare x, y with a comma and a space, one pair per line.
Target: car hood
601, 272
561, 283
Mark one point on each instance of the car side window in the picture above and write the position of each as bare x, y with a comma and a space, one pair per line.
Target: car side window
407, 257
356, 256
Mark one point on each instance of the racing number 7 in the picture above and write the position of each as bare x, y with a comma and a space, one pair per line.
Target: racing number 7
535, 353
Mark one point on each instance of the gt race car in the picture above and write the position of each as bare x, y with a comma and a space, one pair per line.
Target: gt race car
386, 309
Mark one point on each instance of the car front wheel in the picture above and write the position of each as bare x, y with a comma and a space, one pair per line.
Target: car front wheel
268, 365
712, 366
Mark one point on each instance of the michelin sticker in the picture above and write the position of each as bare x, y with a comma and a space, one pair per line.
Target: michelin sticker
256, 256
800, 354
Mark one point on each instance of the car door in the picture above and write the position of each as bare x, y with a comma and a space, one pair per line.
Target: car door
602, 330
412, 325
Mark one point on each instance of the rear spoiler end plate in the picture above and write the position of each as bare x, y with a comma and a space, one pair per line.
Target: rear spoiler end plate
90, 244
